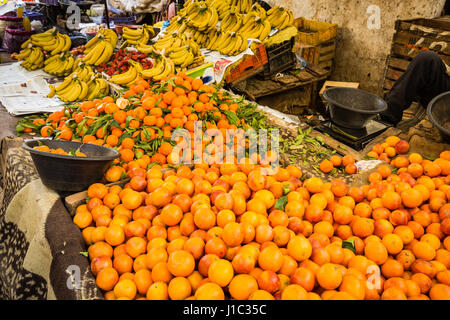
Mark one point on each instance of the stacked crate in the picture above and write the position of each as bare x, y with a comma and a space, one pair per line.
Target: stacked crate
410, 38
316, 42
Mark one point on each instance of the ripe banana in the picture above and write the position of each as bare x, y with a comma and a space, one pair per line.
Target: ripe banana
157, 69
106, 54
95, 53
280, 17
52, 92
125, 78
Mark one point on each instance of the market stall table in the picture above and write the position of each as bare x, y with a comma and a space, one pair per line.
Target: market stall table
296, 85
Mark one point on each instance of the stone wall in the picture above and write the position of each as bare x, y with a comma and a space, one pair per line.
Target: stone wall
362, 50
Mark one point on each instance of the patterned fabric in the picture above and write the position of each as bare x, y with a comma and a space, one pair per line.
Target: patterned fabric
39, 243
16, 283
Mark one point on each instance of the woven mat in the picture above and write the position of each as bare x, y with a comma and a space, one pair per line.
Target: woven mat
39, 244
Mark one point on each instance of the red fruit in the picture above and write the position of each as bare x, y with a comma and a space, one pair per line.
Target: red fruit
402, 147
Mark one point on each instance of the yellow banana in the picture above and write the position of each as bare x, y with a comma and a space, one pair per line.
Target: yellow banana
106, 54
93, 56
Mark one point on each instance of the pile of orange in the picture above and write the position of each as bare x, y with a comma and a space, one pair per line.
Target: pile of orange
233, 232
390, 148
346, 162
391, 151
141, 122
59, 151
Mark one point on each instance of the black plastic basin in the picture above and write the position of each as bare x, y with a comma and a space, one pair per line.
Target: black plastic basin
438, 111
352, 108
70, 173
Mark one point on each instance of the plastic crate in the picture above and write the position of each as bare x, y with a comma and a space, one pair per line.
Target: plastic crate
248, 64
280, 58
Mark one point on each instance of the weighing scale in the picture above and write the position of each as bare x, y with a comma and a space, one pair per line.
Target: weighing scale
354, 138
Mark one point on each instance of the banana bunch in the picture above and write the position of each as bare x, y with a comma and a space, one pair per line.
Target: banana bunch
221, 6
232, 21
242, 6
141, 35
33, 58
255, 27
284, 35
280, 17
83, 71
162, 68
230, 43
130, 76
96, 88
198, 61
144, 48
202, 17
52, 41
102, 34
168, 41
70, 90
26, 44
109, 35
260, 11
177, 24
59, 64
213, 35
185, 55
98, 52
24, 53
201, 38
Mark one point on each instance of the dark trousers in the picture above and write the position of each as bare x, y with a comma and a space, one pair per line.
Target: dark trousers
424, 79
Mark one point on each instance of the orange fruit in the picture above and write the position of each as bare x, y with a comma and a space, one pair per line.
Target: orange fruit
424, 250
376, 251
353, 286
303, 277
299, 248
209, 291
242, 286
393, 243
179, 288
261, 295
440, 291
107, 278
294, 292
393, 294
181, 263
329, 276
221, 272
125, 288
270, 258
158, 291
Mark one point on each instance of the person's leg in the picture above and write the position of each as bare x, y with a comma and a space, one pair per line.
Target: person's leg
424, 79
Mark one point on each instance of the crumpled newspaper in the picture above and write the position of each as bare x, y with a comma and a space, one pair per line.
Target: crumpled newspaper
365, 165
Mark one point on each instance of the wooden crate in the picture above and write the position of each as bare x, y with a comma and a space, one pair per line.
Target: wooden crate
331, 84
321, 55
412, 37
314, 32
395, 67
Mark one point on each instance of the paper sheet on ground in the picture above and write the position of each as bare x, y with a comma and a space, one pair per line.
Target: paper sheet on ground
21, 105
24, 92
14, 73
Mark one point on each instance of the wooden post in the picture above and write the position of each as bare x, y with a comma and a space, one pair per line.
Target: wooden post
106, 13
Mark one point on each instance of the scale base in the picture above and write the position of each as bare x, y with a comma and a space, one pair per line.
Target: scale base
354, 138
